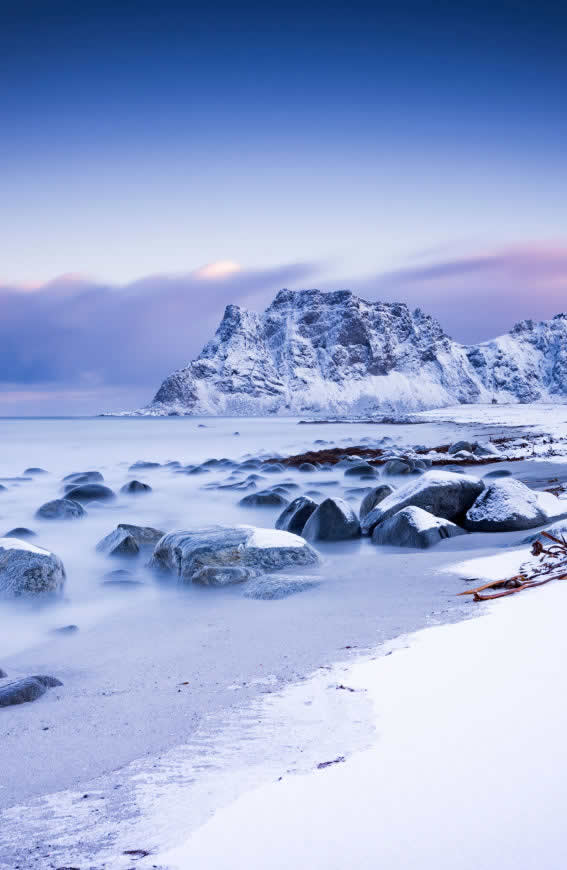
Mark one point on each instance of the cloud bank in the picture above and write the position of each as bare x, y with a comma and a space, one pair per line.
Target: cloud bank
73, 345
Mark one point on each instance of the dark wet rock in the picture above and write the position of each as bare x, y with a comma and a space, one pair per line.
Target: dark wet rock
118, 543
314, 493
373, 498
118, 574
198, 469
267, 498
333, 520
143, 464
307, 466
135, 487
61, 509
260, 551
288, 485
238, 485
2, 487
272, 468
498, 472
294, 517
78, 477
461, 445
65, 629
506, 506
362, 469
328, 483
2, 674
173, 463
442, 493
28, 571
357, 492
26, 689
397, 466
91, 492
250, 464
414, 527
20, 532
34, 470
274, 587
236, 433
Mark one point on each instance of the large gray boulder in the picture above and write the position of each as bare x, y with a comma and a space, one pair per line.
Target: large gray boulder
222, 549
61, 509
508, 505
442, 493
414, 527
26, 689
294, 517
334, 520
373, 498
27, 571
90, 492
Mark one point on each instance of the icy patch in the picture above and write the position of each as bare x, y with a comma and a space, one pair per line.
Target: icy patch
268, 538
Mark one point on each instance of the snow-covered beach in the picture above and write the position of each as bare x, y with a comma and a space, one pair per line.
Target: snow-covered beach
180, 706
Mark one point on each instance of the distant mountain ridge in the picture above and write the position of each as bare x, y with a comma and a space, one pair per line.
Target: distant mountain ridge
334, 353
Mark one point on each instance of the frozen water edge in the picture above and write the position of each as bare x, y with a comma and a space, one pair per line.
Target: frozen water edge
467, 766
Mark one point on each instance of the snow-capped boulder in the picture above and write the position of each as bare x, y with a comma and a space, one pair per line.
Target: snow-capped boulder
333, 520
27, 571
508, 506
61, 509
414, 527
373, 498
442, 493
27, 689
90, 492
249, 549
294, 517
458, 446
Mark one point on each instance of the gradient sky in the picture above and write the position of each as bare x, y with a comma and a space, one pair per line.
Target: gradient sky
409, 150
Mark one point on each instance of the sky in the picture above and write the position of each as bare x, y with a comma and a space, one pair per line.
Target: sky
412, 151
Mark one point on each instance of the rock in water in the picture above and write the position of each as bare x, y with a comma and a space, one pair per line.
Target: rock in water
61, 509
90, 492
441, 493
294, 517
26, 689
508, 505
135, 487
27, 571
20, 532
118, 543
267, 498
249, 549
414, 527
77, 477
145, 536
373, 498
333, 520
274, 587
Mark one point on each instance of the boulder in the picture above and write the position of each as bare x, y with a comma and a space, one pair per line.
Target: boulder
414, 527
255, 550
442, 493
145, 536
508, 505
373, 498
27, 571
26, 689
35, 470
333, 520
362, 469
294, 517
485, 450
274, 587
78, 477
20, 532
397, 466
118, 543
61, 509
498, 472
266, 498
461, 445
272, 468
90, 492
142, 463
135, 487
307, 466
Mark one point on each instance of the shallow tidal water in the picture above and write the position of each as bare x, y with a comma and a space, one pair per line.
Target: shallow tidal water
156, 666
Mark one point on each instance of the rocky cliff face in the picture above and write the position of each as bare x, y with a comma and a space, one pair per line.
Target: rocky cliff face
333, 353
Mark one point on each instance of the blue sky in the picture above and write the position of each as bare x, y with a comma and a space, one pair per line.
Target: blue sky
382, 146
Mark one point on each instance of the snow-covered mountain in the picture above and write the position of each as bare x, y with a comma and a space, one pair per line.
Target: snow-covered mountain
334, 353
